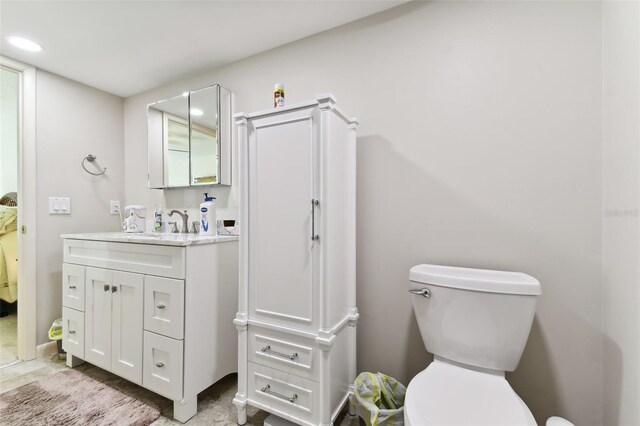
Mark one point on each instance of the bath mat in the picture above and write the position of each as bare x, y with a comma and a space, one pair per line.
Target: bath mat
72, 398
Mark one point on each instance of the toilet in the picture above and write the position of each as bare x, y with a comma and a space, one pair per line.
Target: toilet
476, 322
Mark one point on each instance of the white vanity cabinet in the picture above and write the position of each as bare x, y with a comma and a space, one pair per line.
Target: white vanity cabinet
297, 312
155, 312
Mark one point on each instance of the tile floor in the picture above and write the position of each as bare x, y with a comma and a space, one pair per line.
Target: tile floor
8, 339
214, 404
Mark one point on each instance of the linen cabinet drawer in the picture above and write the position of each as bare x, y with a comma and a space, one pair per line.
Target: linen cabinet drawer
162, 365
164, 306
285, 352
73, 286
284, 392
73, 332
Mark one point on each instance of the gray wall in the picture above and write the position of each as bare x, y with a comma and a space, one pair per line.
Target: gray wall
621, 227
479, 145
73, 120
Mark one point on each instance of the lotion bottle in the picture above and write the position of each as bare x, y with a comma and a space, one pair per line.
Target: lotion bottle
208, 216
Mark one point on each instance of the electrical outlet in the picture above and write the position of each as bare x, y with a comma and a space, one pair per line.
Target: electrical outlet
114, 207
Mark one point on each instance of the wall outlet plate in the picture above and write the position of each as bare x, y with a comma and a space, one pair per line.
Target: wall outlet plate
114, 207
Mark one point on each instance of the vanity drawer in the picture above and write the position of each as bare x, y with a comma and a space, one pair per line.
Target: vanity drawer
285, 352
149, 259
73, 332
162, 365
283, 392
164, 306
73, 286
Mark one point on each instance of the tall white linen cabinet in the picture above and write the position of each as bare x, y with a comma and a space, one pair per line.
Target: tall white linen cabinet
297, 302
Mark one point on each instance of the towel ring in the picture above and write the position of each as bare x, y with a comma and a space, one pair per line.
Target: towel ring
91, 158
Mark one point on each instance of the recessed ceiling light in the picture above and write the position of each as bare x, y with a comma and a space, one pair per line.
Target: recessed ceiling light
25, 44
197, 112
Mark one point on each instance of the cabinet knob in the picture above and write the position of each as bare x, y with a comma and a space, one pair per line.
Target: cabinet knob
160, 306
72, 287
72, 332
114, 289
106, 287
160, 364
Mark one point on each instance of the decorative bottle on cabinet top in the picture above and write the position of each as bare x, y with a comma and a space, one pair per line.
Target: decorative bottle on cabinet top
278, 95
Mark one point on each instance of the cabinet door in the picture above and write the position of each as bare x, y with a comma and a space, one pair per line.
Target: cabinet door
126, 342
282, 179
73, 286
98, 317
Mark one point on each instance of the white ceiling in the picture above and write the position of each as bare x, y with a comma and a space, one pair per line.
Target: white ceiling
126, 47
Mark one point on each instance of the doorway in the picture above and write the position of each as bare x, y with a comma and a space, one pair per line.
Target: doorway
17, 212
9, 143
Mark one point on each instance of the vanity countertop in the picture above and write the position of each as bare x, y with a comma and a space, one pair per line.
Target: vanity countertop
156, 239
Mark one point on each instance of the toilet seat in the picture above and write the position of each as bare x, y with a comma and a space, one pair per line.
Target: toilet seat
445, 394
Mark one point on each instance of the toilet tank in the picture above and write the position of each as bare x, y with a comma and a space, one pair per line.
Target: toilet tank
476, 317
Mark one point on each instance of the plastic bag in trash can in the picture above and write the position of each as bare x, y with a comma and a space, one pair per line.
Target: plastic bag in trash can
55, 332
379, 399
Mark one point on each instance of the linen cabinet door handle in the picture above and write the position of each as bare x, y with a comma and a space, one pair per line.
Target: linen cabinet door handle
291, 399
106, 287
114, 289
267, 349
314, 204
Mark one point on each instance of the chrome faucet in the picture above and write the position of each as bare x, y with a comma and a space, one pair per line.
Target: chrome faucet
185, 220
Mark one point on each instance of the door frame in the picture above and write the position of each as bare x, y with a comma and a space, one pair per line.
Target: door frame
26, 209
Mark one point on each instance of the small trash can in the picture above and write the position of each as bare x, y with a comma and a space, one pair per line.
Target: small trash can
55, 333
379, 399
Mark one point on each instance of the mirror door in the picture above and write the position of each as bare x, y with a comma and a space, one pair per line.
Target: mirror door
203, 113
168, 143
189, 139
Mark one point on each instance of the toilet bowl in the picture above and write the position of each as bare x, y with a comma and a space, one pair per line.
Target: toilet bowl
476, 323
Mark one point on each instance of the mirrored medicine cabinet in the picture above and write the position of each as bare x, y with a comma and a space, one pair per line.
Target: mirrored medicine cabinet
189, 139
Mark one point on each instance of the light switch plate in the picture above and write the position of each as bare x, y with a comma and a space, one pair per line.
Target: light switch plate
59, 205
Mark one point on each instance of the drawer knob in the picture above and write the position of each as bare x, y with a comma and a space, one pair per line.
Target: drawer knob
72, 332
160, 306
160, 364
267, 349
72, 287
291, 399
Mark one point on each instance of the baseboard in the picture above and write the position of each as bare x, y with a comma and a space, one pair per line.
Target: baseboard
46, 349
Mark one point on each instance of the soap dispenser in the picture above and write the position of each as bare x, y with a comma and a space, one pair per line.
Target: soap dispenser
208, 216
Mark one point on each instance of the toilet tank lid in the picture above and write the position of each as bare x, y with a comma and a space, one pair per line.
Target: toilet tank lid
476, 279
